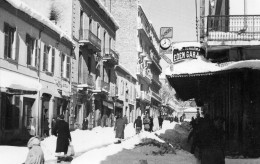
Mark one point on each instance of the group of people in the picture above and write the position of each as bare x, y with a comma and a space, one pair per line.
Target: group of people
61, 130
208, 137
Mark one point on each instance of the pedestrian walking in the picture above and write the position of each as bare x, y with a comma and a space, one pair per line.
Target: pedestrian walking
146, 122
46, 127
53, 123
125, 119
61, 130
151, 124
119, 128
35, 154
85, 124
160, 120
138, 124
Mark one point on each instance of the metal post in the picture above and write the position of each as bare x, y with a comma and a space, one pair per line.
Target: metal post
196, 21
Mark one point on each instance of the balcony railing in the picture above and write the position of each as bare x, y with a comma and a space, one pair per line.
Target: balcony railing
105, 86
146, 96
147, 73
89, 80
88, 38
111, 55
139, 70
233, 27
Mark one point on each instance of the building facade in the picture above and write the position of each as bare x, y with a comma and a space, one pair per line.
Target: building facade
35, 70
126, 100
138, 47
93, 28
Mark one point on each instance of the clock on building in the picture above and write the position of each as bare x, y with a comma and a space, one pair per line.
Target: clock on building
165, 43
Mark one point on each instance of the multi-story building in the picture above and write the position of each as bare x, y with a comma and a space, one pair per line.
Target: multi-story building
138, 47
35, 71
224, 78
94, 30
125, 92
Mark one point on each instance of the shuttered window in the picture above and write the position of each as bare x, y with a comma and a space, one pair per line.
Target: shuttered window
10, 42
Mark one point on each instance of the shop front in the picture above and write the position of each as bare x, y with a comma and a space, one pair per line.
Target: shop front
18, 104
225, 90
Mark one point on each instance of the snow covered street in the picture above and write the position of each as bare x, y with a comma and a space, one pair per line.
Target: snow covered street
97, 146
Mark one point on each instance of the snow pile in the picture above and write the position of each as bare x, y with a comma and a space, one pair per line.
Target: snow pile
13, 154
108, 13
201, 65
18, 4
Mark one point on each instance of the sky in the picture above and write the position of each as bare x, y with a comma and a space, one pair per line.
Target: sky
179, 14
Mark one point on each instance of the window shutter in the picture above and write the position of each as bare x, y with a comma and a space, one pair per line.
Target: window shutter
28, 42
6, 27
44, 58
68, 67
62, 63
53, 60
36, 49
17, 45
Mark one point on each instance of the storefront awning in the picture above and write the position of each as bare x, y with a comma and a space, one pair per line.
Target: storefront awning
15, 83
190, 76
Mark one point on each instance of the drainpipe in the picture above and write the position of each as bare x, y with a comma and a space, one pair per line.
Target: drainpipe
39, 101
71, 99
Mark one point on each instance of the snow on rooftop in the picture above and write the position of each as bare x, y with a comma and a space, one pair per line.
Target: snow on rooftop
201, 65
102, 6
18, 4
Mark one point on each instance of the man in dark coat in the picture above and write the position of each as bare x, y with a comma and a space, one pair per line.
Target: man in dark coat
160, 120
119, 128
61, 130
85, 124
151, 124
138, 125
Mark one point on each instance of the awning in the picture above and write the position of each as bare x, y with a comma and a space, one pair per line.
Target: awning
190, 76
15, 83
108, 104
202, 66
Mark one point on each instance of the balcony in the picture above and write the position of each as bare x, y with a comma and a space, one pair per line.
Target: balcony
88, 81
87, 38
139, 70
156, 96
146, 96
147, 74
111, 56
105, 86
233, 28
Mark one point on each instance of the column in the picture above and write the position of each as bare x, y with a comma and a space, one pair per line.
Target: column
92, 121
51, 111
1, 116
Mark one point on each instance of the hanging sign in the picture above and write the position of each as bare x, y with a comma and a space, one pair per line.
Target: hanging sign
186, 50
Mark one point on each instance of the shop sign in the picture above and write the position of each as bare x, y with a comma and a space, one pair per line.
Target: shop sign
186, 53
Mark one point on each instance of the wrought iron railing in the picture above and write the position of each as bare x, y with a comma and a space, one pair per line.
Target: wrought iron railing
89, 80
85, 34
233, 27
111, 54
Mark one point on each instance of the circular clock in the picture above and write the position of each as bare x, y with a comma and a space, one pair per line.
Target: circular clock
165, 43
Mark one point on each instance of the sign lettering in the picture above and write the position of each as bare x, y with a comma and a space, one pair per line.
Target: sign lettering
186, 53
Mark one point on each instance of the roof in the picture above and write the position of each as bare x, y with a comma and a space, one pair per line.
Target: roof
126, 70
107, 12
18, 4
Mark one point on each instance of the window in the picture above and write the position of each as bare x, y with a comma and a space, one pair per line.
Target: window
89, 64
104, 41
48, 59
122, 87
10, 46
46, 52
81, 20
65, 66
110, 42
98, 28
32, 54
53, 60
90, 24
80, 67
68, 67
